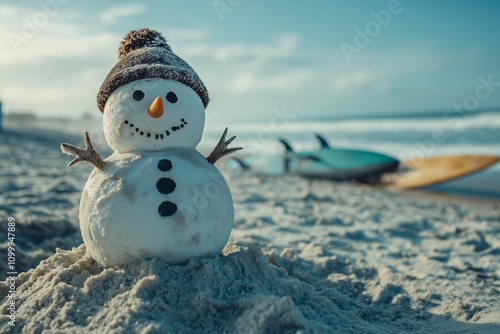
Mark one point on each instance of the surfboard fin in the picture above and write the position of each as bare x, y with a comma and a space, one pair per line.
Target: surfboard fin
242, 164
322, 141
286, 144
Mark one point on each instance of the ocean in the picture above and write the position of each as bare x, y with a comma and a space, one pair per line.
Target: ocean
400, 136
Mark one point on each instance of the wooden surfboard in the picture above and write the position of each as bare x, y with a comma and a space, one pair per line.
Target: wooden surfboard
434, 170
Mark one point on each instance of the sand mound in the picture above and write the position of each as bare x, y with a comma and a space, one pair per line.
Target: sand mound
236, 292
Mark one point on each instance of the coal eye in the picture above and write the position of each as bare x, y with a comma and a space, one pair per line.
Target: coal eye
138, 95
171, 97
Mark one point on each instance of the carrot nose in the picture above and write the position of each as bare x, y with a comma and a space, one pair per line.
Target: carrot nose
155, 110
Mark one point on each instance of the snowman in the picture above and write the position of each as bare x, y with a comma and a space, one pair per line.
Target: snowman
156, 195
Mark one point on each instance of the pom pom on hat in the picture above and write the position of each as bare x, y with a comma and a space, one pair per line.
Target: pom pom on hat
137, 39
144, 53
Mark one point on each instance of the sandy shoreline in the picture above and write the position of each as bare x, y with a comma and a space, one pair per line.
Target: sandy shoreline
304, 256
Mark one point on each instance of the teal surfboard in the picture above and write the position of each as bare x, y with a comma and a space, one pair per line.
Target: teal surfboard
327, 162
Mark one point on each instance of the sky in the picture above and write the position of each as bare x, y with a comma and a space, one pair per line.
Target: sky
312, 59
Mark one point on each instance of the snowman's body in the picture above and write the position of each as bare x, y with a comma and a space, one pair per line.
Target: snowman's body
171, 204
157, 196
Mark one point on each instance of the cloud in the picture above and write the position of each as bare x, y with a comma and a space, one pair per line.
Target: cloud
52, 44
58, 69
249, 82
361, 80
275, 65
345, 82
377, 72
185, 35
116, 13
7, 11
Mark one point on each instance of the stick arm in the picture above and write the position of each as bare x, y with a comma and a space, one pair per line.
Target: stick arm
222, 149
88, 154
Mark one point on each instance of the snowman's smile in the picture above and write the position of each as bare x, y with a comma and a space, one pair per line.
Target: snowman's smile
156, 135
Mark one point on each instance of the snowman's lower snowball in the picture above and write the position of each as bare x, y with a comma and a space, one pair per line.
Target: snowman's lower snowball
137, 208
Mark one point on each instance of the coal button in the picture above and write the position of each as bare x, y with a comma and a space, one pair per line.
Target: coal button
167, 209
165, 185
164, 165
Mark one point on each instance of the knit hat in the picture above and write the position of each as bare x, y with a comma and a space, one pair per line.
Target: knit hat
145, 54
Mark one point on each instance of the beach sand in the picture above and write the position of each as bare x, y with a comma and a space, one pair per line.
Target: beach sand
305, 256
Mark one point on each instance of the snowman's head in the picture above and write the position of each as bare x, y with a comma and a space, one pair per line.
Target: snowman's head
152, 115
151, 99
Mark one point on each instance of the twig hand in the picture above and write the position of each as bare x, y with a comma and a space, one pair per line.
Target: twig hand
221, 149
88, 154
